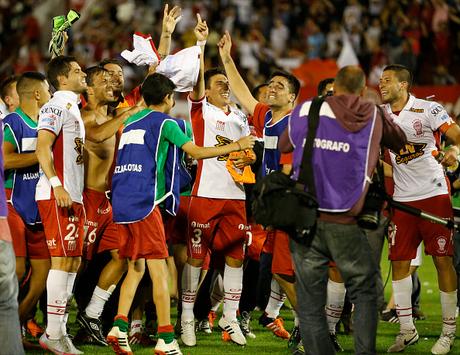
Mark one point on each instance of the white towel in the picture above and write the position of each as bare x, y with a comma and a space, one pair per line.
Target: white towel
144, 52
182, 68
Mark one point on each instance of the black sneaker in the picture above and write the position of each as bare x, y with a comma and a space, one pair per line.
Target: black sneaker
294, 339
264, 320
245, 325
93, 327
338, 348
390, 316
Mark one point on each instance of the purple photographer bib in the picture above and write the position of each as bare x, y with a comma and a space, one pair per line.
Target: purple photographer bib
340, 157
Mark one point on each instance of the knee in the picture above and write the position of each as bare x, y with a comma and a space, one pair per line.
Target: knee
136, 268
443, 263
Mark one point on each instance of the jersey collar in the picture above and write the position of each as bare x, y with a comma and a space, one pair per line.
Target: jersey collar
68, 95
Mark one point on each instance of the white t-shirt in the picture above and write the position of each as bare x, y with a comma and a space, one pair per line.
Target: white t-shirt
213, 127
62, 117
416, 173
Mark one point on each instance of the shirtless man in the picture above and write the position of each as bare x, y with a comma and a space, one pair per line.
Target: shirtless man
101, 233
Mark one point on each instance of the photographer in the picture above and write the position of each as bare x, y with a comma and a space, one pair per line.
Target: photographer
345, 154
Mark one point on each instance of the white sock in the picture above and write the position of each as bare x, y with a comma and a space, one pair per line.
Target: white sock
190, 279
296, 319
136, 326
334, 303
449, 308
233, 285
276, 300
217, 292
402, 290
70, 283
97, 302
56, 285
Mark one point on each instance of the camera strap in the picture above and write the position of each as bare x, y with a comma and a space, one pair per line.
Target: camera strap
306, 177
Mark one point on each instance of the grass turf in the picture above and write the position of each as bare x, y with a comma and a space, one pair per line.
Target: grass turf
266, 343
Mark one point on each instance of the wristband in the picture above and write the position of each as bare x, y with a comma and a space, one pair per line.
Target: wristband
201, 43
55, 182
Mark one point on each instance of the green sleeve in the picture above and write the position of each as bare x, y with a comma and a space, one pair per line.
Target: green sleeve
172, 132
8, 136
188, 129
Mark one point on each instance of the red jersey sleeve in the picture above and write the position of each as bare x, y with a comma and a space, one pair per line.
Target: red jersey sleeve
258, 119
134, 96
286, 158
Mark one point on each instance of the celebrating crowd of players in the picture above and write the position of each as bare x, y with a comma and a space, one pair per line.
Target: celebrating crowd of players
89, 171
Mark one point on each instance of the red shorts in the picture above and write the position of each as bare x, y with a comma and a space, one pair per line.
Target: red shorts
28, 241
101, 233
176, 227
255, 246
278, 242
408, 231
143, 239
218, 225
64, 228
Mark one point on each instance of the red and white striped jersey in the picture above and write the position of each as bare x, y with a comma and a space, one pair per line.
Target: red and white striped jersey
62, 117
212, 127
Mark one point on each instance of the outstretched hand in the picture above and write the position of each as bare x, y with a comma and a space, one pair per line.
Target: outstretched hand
225, 45
246, 142
170, 19
201, 29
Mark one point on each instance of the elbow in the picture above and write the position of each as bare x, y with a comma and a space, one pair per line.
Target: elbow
96, 138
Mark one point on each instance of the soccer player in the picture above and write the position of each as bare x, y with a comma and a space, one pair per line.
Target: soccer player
8, 93
61, 136
22, 173
270, 120
101, 232
139, 185
419, 181
217, 217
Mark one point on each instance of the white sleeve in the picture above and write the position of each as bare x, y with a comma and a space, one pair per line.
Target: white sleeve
51, 118
438, 116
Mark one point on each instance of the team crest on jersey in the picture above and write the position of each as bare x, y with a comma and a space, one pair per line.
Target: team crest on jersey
410, 152
441, 244
418, 127
221, 141
68, 106
79, 149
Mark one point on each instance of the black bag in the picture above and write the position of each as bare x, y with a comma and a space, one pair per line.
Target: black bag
282, 203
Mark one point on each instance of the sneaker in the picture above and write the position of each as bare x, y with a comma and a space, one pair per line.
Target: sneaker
444, 344
338, 348
225, 336
403, 340
203, 326
233, 329
56, 346
188, 336
73, 350
390, 316
277, 327
245, 325
299, 349
118, 340
417, 314
167, 349
93, 327
33, 328
295, 338
212, 316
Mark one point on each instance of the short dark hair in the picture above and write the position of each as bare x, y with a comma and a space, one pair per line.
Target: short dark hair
351, 78
6, 84
58, 66
402, 73
92, 72
106, 61
208, 74
323, 83
155, 88
26, 79
294, 83
256, 91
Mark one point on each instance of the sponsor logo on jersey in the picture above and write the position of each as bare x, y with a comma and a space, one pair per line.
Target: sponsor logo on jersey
410, 152
31, 176
195, 224
418, 127
137, 168
417, 110
220, 125
436, 109
53, 111
51, 243
221, 141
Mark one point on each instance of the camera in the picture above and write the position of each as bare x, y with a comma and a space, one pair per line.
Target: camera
369, 218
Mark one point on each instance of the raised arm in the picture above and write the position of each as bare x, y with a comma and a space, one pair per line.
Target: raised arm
170, 19
237, 84
45, 143
201, 33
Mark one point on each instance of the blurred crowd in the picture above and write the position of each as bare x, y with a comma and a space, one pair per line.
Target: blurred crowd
423, 35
